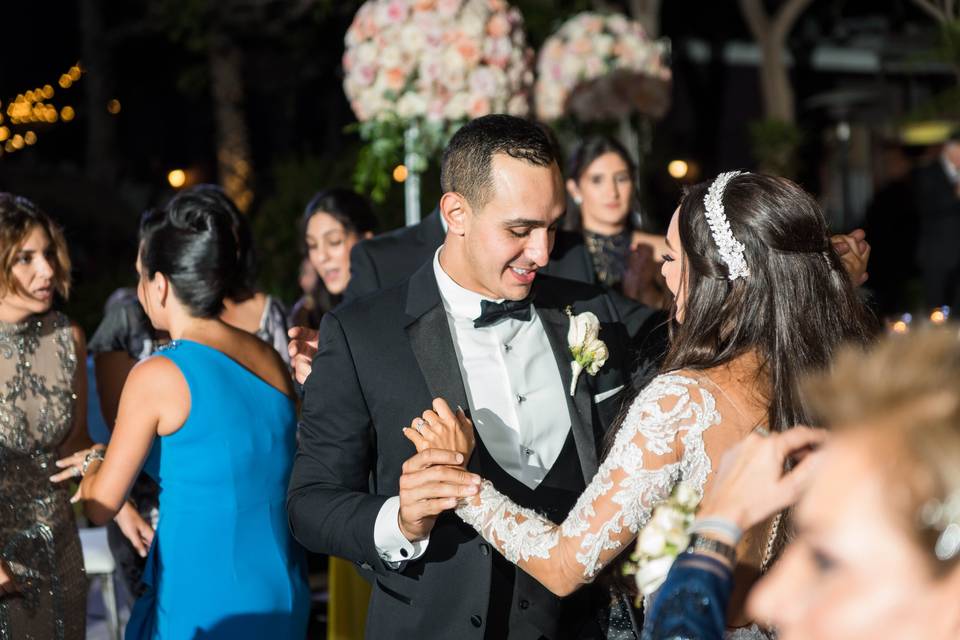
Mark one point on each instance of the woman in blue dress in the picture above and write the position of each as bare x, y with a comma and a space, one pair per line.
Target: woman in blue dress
212, 419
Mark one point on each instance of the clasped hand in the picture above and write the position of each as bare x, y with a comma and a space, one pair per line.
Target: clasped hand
441, 428
434, 479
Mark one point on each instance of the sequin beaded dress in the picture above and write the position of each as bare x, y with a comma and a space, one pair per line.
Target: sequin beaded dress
38, 534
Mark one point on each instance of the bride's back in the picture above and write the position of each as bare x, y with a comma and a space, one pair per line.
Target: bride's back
741, 395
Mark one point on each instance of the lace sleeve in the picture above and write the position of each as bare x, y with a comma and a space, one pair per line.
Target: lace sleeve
660, 442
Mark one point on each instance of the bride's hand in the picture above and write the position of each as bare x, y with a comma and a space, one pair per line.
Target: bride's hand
441, 428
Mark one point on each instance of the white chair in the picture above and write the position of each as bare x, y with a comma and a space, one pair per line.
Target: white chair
99, 562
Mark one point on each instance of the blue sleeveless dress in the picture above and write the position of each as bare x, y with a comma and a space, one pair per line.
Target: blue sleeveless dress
223, 563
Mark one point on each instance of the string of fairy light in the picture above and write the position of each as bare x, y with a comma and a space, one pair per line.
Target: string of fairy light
33, 109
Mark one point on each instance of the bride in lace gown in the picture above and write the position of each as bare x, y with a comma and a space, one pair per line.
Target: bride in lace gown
761, 298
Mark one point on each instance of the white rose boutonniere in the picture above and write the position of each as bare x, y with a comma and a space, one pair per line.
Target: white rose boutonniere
588, 350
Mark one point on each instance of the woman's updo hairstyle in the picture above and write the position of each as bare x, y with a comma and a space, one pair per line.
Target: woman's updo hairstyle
192, 243
245, 277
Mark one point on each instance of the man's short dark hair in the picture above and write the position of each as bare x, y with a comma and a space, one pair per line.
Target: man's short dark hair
468, 158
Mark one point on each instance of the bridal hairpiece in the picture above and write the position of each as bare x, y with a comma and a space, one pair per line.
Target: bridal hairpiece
731, 250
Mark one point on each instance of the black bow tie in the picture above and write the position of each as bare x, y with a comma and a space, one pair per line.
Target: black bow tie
492, 312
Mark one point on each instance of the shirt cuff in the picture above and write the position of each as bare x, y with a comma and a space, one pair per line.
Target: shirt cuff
392, 546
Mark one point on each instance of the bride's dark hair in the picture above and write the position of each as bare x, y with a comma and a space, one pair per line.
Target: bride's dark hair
793, 311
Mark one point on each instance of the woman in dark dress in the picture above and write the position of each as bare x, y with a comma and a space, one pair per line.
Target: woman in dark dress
334, 220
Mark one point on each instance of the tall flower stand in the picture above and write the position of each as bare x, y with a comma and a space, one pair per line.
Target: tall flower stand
411, 186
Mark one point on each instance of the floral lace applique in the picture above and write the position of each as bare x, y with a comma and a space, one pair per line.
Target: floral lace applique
640, 471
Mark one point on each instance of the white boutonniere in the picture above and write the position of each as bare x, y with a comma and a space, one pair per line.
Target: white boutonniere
663, 538
589, 352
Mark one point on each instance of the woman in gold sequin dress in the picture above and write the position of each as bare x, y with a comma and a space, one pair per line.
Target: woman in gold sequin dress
43, 589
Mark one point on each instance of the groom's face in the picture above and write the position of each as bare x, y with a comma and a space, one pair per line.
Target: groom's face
509, 239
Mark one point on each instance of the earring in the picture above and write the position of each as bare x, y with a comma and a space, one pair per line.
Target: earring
578, 200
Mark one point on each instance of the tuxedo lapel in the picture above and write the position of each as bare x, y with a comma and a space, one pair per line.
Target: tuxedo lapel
431, 342
433, 348
556, 323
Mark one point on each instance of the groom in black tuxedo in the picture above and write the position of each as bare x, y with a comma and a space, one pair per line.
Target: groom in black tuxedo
481, 327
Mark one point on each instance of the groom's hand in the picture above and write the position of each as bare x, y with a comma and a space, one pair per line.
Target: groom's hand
303, 346
428, 487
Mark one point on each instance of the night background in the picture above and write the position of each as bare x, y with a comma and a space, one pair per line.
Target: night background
862, 71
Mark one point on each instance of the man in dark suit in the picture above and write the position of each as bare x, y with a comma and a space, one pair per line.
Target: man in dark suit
480, 326
937, 197
385, 260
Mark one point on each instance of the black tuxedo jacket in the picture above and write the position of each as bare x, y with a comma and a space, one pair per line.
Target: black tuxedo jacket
382, 360
387, 259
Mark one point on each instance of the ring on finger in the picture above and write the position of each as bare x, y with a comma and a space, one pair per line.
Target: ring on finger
419, 425
76, 472
762, 431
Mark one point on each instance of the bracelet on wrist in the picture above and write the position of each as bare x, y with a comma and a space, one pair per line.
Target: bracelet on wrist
718, 527
94, 454
702, 543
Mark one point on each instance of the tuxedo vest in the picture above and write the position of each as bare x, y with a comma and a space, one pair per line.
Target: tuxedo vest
554, 497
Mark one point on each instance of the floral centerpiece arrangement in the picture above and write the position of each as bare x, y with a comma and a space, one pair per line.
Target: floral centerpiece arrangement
430, 65
609, 57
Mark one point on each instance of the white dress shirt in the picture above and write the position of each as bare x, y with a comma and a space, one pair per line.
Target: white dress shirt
516, 396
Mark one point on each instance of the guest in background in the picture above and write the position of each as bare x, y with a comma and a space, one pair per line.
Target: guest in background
877, 551
308, 277
212, 419
43, 589
937, 200
601, 180
334, 221
125, 336
392, 256
892, 223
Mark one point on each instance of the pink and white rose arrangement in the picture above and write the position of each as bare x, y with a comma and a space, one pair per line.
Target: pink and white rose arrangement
589, 46
437, 60
416, 70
